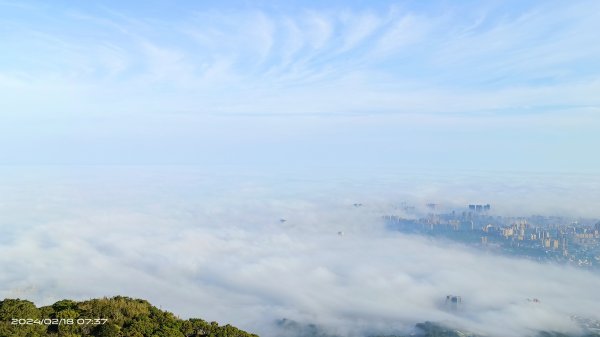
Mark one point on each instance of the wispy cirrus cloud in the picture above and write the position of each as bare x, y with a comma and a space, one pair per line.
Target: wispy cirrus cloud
434, 61
276, 51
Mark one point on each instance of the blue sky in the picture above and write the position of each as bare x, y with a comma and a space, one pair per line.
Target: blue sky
453, 85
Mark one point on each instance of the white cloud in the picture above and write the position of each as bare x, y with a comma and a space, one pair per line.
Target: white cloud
402, 32
365, 61
211, 245
319, 29
359, 29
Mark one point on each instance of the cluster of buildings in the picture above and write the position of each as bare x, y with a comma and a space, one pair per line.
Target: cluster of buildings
542, 238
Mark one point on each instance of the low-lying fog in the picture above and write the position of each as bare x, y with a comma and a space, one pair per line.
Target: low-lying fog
214, 246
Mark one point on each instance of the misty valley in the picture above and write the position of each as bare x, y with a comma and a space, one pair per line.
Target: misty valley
290, 257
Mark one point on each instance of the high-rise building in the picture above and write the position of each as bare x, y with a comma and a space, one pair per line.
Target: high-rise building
479, 208
453, 301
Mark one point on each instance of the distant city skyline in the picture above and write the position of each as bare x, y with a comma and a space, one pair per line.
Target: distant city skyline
451, 85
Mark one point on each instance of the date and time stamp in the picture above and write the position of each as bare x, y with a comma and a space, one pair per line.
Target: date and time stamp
58, 321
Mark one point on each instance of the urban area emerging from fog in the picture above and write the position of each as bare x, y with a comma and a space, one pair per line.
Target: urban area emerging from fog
299, 168
351, 253
543, 238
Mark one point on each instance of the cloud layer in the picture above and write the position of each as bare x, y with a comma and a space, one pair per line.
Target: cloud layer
211, 245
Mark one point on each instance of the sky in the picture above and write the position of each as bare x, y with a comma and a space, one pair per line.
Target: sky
493, 85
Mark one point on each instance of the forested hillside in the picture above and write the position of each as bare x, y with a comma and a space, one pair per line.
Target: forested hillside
106, 317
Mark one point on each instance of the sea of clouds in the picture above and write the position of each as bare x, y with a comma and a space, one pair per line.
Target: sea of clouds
210, 243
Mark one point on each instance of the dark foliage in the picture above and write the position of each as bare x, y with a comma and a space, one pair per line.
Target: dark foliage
125, 317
